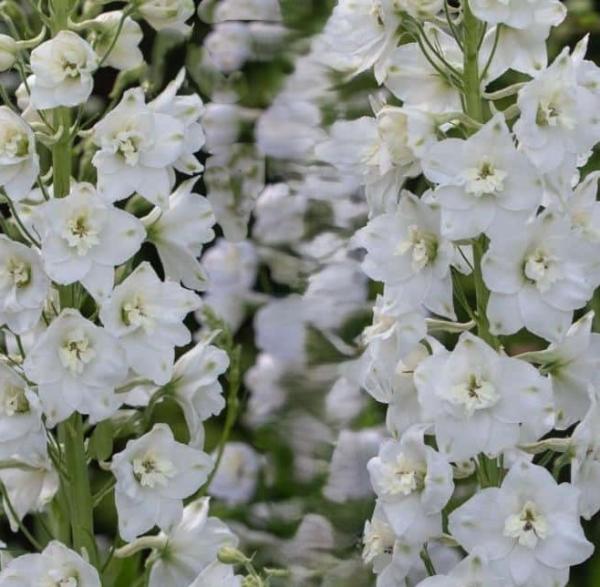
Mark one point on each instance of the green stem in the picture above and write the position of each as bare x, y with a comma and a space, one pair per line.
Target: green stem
482, 294
78, 490
471, 79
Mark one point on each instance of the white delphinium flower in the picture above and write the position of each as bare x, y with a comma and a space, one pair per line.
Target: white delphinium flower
218, 574
154, 474
268, 10
187, 110
558, 111
8, 52
84, 238
237, 476
528, 528
517, 14
472, 571
179, 234
195, 386
537, 277
391, 557
55, 565
167, 14
421, 9
137, 148
360, 34
479, 399
31, 485
573, 365
348, 478
583, 209
189, 547
405, 248
234, 180
63, 70
24, 286
77, 366
229, 46
413, 483
125, 53
146, 315
381, 152
231, 269
585, 461
19, 162
484, 184
21, 428
264, 380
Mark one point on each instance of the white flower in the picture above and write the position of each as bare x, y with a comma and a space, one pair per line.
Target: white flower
405, 248
55, 565
419, 8
146, 315
179, 234
187, 110
234, 180
154, 474
485, 184
382, 152
268, 10
413, 483
24, 286
189, 547
21, 429
472, 571
77, 366
237, 476
31, 485
583, 209
63, 69
537, 276
559, 111
137, 149
573, 365
585, 461
8, 52
231, 269
167, 14
392, 557
360, 34
217, 574
479, 399
19, 162
229, 46
196, 388
84, 238
125, 54
519, 14
528, 529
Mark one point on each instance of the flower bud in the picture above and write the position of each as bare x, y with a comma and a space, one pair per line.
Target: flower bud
231, 556
8, 52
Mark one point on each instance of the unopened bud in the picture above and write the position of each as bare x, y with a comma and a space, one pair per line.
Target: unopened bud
231, 556
8, 52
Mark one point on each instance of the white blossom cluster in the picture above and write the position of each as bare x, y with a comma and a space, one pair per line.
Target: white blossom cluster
483, 231
95, 335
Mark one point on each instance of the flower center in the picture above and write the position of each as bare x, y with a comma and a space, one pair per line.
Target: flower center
423, 247
485, 179
80, 234
76, 352
551, 113
18, 272
15, 144
528, 526
136, 313
404, 476
474, 394
14, 401
151, 471
60, 578
128, 146
542, 269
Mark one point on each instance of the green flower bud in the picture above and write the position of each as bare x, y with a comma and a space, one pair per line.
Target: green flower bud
8, 52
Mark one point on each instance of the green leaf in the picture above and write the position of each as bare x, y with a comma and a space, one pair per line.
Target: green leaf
101, 442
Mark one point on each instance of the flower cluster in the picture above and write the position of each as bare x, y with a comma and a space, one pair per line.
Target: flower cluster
483, 232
